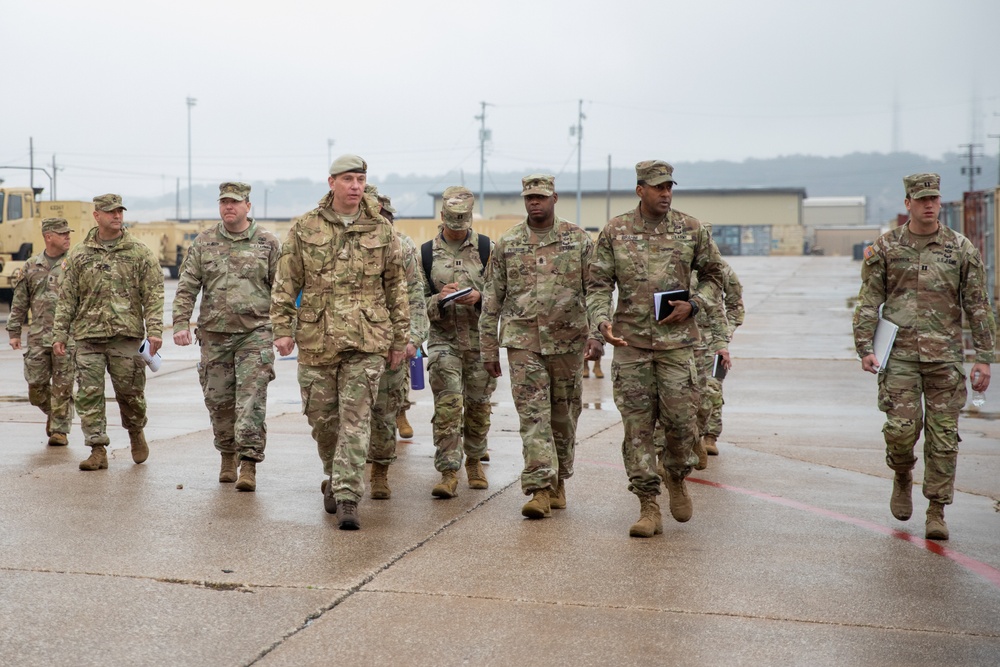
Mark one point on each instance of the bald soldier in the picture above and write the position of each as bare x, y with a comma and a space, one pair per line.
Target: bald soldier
36, 291
535, 306
232, 265
655, 248
111, 299
924, 275
345, 260
461, 386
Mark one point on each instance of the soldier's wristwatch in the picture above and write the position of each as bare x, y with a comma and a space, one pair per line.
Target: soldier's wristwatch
694, 307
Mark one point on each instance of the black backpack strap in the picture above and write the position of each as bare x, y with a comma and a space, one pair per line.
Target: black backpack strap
484, 250
427, 258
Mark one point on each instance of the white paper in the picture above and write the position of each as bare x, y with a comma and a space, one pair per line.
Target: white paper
152, 360
455, 295
885, 336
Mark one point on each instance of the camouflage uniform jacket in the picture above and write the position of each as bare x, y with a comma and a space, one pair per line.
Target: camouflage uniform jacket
924, 292
414, 289
110, 291
352, 282
236, 272
36, 289
455, 324
536, 287
645, 259
732, 301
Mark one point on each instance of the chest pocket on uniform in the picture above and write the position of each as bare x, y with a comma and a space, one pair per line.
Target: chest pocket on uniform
374, 250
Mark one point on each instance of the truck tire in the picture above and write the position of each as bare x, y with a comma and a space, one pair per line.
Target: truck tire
23, 253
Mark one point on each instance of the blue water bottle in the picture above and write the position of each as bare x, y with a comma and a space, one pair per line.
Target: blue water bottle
417, 370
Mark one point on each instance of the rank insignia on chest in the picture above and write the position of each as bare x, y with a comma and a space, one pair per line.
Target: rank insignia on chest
540, 261
458, 263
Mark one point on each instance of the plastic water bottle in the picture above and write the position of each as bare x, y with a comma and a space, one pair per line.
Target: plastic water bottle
978, 397
417, 370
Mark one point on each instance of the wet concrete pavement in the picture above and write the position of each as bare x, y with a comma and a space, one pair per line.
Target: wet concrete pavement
791, 558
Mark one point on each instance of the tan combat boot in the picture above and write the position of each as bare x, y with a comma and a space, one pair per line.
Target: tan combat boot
448, 486
140, 450
403, 426
248, 476
557, 496
477, 476
539, 507
710, 447
650, 520
586, 368
701, 453
48, 425
380, 482
680, 501
598, 373
935, 528
58, 440
98, 459
227, 473
901, 501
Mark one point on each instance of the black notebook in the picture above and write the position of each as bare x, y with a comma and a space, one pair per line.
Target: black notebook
661, 305
719, 369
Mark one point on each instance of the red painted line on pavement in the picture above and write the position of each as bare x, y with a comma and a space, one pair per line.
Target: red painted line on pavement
988, 572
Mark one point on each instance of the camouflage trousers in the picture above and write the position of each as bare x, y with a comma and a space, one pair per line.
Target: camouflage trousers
653, 386
120, 358
942, 385
710, 408
392, 389
547, 390
50, 384
337, 400
234, 372
462, 390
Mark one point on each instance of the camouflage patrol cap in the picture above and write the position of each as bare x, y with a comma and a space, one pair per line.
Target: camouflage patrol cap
234, 190
346, 163
109, 202
922, 185
654, 172
457, 203
57, 225
538, 184
383, 200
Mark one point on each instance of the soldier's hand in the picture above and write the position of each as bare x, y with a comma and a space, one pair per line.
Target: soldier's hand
155, 343
681, 311
448, 289
15, 343
395, 358
595, 350
980, 377
726, 361
285, 345
411, 351
493, 368
609, 335
869, 363
470, 299
59, 349
182, 337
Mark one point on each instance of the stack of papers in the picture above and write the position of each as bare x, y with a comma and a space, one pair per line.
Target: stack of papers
445, 300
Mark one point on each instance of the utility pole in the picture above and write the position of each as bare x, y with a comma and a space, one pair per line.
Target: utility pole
996, 136
190, 103
329, 152
577, 131
972, 169
31, 162
178, 216
607, 212
484, 136
52, 195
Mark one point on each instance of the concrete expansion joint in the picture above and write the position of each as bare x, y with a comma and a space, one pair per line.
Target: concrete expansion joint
368, 578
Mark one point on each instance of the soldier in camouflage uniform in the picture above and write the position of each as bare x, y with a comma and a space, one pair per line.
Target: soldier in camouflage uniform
36, 291
650, 249
461, 386
710, 410
232, 265
536, 289
924, 275
111, 299
395, 383
345, 260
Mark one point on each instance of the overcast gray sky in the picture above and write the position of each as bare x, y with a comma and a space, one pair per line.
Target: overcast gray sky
102, 84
